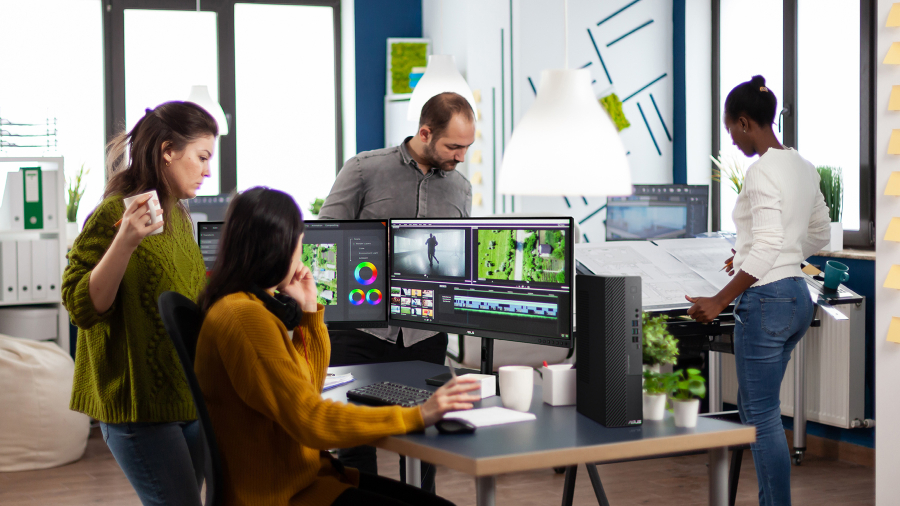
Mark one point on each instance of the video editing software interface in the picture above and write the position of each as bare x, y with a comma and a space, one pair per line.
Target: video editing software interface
349, 263
658, 212
208, 234
492, 277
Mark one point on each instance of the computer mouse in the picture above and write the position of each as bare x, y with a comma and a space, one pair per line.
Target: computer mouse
454, 426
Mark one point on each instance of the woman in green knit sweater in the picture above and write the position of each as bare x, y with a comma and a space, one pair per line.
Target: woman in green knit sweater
127, 374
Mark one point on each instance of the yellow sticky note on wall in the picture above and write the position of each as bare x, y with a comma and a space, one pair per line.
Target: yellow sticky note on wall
893, 278
894, 102
476, 94
893, 231
893, 16
476, 156
893, 55
894, 144
893, 186
894, 330
476, 178
476, 199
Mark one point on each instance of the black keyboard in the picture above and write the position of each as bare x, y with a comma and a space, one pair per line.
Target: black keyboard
389, 394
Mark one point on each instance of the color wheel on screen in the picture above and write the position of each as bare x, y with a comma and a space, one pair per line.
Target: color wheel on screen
357, 297
373, 296
359, 271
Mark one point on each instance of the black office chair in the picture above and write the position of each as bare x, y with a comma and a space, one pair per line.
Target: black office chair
182, 319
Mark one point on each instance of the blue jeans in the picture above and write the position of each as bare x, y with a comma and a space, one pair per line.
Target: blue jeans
163, 461
769, 322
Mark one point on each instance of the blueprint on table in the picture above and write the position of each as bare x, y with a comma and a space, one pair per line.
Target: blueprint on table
706, 257
665, 280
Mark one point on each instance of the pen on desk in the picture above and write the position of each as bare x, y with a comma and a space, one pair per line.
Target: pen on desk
545, 364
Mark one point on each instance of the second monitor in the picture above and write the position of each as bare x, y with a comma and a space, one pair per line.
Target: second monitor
489, 277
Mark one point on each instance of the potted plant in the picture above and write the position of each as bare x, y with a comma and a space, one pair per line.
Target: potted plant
656, 386
732, 168
685, 390
315, 206
75, 192
831, 182
659, 345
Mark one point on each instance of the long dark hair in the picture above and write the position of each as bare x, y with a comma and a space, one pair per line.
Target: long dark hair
177, 123
262, 230
753, 100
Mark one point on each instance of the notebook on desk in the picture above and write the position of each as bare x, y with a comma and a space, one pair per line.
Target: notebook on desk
495, 415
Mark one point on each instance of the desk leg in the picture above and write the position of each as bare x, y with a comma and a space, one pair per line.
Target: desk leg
414, 472
485, 486
715, 382
718, 477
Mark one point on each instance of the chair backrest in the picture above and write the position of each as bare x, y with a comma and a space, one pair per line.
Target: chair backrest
182, 319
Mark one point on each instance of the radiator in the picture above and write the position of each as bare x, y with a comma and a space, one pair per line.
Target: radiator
835, 370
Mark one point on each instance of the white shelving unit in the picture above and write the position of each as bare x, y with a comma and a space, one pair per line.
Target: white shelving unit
9, 164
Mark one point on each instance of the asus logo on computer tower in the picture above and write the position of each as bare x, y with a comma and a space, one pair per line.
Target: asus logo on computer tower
608, 312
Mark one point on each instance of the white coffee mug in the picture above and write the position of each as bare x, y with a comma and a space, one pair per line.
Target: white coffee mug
153, 203
516, 386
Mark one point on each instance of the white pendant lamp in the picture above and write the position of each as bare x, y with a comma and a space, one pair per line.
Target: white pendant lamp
440, 75
566, 144
200, 96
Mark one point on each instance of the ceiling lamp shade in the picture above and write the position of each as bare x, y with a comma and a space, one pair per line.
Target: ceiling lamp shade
200, 96
566, 144
441, 75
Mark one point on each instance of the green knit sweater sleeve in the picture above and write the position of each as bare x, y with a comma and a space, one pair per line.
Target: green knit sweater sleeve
89, 248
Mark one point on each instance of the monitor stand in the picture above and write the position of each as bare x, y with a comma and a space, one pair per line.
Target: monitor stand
487, 365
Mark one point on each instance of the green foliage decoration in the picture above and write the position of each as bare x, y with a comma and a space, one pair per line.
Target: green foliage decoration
687, 385
315, 206
659, 345
656, 383
75, 191
613, 107
831, 182
405, 56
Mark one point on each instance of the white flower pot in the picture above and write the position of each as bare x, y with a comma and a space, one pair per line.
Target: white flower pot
654, 406
686, 412
837, 238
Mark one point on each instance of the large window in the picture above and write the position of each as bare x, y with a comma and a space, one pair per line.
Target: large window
52, 67
285, 91
274, 67
817, 57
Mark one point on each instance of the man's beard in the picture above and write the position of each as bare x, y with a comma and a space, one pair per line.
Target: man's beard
431, 157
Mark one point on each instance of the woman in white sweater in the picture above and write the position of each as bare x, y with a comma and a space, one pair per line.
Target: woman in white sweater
781, 219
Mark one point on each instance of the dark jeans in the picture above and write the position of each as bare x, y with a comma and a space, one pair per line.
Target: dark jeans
353, 347
379, 491
163, 461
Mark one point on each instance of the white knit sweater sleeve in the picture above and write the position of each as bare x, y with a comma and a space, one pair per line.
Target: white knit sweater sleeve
819, 232
768, 230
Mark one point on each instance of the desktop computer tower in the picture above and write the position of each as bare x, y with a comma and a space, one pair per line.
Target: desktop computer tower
608, 341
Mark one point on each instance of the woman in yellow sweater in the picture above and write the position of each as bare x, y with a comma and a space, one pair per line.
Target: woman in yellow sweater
263, 387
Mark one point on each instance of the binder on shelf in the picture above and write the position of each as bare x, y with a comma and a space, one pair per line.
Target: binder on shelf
49, 196
33, 203
23, 272
39, 261
54, 280
12, 212
8, 274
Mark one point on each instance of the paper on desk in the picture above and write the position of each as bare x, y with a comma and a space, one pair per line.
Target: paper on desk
706, 257
336, 381
664, 280
485, 417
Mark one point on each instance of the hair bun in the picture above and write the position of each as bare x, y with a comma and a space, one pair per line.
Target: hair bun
758, 81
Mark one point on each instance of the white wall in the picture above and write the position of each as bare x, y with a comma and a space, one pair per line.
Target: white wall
698, 68
348, 78
887, 355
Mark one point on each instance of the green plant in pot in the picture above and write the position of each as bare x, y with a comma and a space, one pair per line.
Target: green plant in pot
831, 183
659, 345
315, 206
656, 386
685, 391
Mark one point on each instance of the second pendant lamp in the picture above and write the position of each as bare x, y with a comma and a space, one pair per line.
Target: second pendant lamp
440, 76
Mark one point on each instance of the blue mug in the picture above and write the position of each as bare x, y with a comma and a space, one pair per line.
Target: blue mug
835, 274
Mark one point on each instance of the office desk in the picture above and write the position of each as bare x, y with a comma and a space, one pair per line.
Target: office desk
559, 437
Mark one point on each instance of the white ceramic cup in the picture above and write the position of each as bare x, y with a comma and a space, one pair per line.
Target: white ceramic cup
516, 386
153, 203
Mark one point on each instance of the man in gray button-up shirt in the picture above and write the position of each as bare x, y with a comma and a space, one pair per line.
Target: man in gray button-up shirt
416, 179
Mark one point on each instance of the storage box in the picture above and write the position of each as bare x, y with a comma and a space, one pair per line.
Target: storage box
488, 385
559, 384
38, 323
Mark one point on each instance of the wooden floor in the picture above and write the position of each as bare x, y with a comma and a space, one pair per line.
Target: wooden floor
682, 481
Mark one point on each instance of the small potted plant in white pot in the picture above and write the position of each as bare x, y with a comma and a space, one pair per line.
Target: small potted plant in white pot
685, 391
656, 386
831, 182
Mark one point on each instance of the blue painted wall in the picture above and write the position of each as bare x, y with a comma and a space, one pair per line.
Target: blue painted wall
376, 20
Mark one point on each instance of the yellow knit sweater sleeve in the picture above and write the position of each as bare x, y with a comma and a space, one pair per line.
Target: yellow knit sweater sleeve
278, 379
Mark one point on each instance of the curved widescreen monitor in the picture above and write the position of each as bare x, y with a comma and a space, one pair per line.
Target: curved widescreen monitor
502, 278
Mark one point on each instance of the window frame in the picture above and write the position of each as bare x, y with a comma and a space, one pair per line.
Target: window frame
864, 238
114, 67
